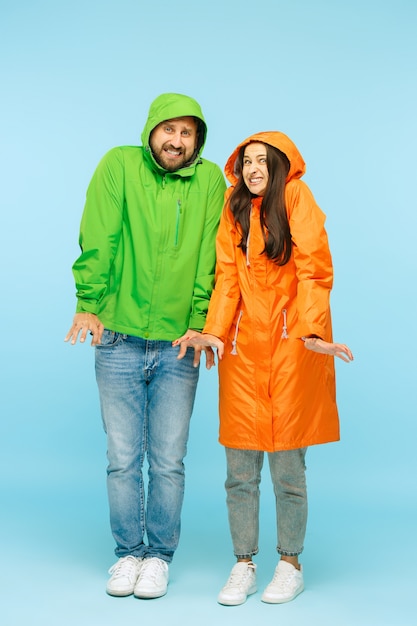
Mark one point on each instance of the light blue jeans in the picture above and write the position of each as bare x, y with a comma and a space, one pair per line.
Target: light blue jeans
146, 398
287, 470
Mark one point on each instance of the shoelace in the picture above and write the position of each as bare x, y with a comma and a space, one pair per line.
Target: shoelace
152, 568
124, 567
282, 579
239, 577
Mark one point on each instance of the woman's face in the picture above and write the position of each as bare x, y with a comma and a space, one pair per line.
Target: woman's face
255, 170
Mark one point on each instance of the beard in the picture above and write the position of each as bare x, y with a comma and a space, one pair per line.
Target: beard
171, 165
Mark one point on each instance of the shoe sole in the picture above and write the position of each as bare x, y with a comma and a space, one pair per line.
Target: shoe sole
272, 600
237, 603
119, 594
150, 595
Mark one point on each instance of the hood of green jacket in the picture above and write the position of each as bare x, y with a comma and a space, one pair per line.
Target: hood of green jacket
168, 106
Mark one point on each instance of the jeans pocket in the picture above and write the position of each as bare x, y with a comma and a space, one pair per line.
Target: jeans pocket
109, 339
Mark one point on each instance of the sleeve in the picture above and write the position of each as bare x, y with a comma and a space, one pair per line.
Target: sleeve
204, 279
226, 295
313, 262
100, 231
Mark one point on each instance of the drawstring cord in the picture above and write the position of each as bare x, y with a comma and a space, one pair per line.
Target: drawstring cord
247, 240
234, 351
284, 324
247, 251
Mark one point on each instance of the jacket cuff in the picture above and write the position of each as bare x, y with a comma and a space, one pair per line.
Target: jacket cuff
86, 307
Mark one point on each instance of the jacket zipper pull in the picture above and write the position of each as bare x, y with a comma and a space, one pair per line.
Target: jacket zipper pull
234, 342
284, 325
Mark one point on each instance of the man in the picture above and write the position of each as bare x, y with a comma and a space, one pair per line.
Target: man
144, 276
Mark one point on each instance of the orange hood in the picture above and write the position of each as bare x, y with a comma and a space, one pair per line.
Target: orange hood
277, 140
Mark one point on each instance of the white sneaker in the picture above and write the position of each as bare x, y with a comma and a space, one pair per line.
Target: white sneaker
286, 584
153, 579
241, 583
125, 573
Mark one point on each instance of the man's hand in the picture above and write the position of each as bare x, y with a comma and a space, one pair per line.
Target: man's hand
324, 347
84, 323
200, 342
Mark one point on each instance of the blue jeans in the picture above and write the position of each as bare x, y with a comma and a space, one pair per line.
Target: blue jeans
287, 470
146, 398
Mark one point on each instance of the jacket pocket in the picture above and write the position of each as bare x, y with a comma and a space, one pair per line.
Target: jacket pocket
177, 224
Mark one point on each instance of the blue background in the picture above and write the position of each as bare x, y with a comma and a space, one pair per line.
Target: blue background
339, 78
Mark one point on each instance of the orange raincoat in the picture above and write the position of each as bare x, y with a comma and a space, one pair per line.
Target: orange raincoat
274, 393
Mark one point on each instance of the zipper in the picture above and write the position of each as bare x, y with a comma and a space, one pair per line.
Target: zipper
234, 342
177, 225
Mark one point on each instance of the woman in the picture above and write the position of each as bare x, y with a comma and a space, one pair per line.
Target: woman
269, 318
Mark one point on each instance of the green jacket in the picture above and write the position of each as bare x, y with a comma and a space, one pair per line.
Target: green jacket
148, 236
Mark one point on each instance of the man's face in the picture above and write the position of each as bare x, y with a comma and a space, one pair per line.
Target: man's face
173, 142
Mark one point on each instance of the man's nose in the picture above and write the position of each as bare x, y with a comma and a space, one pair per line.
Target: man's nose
176, 140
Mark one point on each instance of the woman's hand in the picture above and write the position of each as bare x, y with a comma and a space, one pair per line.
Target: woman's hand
325, 347
200, 341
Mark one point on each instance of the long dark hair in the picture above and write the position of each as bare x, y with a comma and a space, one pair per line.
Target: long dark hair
274, 219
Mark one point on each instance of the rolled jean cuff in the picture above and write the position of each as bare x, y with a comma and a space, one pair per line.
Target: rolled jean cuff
247, 555
288, 552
